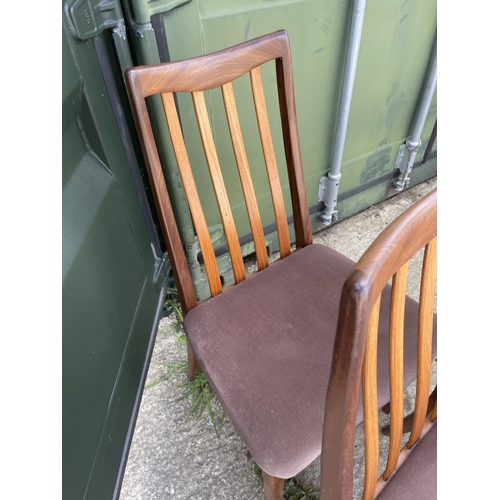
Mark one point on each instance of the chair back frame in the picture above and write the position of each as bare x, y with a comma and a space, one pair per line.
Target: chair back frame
203, 73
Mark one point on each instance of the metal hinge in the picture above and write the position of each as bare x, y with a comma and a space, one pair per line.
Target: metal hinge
89, 18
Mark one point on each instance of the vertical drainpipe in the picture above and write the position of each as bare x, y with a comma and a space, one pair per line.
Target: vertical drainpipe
329, 185
408, 150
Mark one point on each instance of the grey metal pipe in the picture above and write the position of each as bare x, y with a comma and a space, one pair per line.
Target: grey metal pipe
329, 185
425, 103
408, 151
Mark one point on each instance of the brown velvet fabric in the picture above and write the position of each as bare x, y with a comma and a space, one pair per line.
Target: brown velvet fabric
417, 477
266, 346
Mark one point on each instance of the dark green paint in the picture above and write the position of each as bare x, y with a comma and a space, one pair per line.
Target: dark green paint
89, 18
109, 298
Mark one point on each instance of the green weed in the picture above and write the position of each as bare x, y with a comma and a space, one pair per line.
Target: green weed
258, 472
177, 369
292, 489
201, 399
172, 304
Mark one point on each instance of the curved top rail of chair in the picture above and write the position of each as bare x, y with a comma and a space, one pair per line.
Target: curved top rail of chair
201, 73
398, 243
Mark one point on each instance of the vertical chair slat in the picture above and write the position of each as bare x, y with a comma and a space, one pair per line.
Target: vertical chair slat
270, 159
434, 412
219, 187
425, 322
245, 176
289, 128
187, 295
370, 405
192, 193
398, 298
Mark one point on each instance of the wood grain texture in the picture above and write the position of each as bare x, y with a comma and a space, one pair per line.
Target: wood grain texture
245, 176
182, 277
193, 365
212, 70
393, 248
343, 390
226, 214
408, 420
273, 487
370, 404
270, 159
398, 244
425, 323
193, 199
433, 414
396, 337
218, 69
284, 75
196, 75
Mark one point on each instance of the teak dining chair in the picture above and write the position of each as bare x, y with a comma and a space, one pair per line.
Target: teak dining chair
266, 343
412, 468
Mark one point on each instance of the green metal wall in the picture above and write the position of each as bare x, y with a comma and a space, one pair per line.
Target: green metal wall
396, 47
110, 300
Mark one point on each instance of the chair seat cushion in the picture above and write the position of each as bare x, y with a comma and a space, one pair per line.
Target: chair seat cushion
266, 347
417, 477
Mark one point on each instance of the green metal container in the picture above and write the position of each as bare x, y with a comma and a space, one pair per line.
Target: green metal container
396, 46
113, 283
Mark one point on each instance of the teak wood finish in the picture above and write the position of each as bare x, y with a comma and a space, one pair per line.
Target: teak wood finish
273, 487
195, 76
354, 358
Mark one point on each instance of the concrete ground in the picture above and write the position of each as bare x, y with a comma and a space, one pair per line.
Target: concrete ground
174, 455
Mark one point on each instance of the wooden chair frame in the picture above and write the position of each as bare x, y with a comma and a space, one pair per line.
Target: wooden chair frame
354, 355
205, 73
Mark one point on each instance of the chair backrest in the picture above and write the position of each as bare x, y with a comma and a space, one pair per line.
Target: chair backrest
355, 354
206, 73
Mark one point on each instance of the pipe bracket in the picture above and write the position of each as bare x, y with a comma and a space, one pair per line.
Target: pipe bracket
328, 191
404, 163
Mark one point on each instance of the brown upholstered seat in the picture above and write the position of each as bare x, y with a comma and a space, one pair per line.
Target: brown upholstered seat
417, 477
266, 347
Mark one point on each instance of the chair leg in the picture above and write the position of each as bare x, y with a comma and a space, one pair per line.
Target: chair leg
273, 487
192, 362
